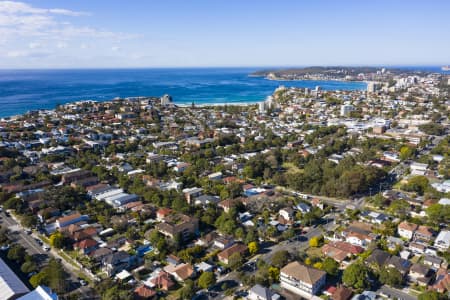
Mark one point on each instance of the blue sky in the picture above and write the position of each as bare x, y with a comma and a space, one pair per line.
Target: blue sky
194, 33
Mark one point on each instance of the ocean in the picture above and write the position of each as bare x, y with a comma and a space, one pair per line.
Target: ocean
25, 90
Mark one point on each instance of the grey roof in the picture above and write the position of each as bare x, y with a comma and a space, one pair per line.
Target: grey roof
263, 293
10, 285
433, 259
116, 257
399, 263
379, 257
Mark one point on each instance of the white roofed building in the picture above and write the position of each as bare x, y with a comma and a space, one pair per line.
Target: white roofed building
11, 287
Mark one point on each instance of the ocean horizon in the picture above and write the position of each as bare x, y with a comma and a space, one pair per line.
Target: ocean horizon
24, 90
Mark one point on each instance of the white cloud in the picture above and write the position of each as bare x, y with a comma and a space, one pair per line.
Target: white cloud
61, 45
13, 7
115, 48
34, 45
26, 53
21, 22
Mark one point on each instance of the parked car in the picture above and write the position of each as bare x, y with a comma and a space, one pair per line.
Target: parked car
29, 275
4, 247
83, 282
46, 247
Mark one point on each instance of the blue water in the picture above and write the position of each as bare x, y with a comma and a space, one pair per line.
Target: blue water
24, 90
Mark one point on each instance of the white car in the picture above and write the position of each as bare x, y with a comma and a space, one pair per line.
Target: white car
46, 247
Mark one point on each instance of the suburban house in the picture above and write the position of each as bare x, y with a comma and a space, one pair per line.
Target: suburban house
402, 265
358, 238
419, 274
359, 234
258, 292
162, 281
443, 240
70, 219
287, 213
227, 204
406, 230
223, 242
224, 255
162, 213
432, 261
342, 293
143, 292
378, 258
339, 251
442, 281
417, 248
86, 246
180, 272
302, 280
116, 262
423, 233
191, 193
178, 224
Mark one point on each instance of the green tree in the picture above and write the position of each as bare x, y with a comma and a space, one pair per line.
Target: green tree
432, 129
28, 267
356, 275
431, 295
17, 253
116, 293
330, 266
38, 279
56, 276
391, 276
315, 241
188, 290
235, 261
274, 274
57, 240
3, 235
406, 152
418, 184
438, 213
253, 248
206, 280
399, 207
280, 258
28, 221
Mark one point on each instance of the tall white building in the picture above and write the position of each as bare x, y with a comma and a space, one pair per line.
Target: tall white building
372, 87
166, 100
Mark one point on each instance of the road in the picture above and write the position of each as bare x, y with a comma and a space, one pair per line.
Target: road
340, 204
296, 245
33, 248
291, 246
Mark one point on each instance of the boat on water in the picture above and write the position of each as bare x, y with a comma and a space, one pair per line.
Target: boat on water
445, 68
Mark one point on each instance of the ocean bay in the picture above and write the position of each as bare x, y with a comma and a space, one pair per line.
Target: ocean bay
24, 90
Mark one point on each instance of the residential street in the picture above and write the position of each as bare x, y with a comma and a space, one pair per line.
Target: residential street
33, 248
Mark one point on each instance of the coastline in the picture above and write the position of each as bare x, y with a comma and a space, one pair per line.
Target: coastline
181, 105
219, 104
310, 79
